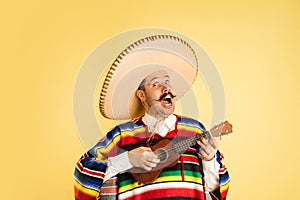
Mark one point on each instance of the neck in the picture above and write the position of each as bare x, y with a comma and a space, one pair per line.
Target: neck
158, 116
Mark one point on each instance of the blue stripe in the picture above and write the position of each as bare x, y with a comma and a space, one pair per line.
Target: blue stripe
88, 181
224, 178
190, 122
129, 126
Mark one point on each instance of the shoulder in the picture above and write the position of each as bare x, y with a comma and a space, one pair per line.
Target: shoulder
127, 126
186, 121
116, 131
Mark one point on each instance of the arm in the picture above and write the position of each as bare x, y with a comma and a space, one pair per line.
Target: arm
224, 180
139, 157
215, 173
91, 167
89, 174
105, 160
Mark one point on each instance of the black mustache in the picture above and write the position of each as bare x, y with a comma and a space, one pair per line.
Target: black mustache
166, 94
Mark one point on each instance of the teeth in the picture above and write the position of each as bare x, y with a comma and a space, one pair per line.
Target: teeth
167, 100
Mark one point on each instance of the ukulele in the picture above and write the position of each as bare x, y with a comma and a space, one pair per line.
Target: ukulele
168, 152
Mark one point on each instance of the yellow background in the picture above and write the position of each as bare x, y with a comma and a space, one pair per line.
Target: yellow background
254, 44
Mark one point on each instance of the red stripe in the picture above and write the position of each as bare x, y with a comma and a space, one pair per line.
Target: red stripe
90, 172
85, 155
222, 170
182, 132
132, 140
224, 194
79, 166
221, 156
79, 195
109, 190
95, 173
191, 150
190, 159
160, 193
136, 119
111, 180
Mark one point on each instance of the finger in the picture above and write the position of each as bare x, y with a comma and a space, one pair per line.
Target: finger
202, 141
147, 166
154, 160
146, 149
206, 156
206, 149
213, 143
202, 153
151, 156
150, 164
148, 154
209, 145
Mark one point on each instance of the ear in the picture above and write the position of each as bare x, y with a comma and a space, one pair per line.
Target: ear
141, 95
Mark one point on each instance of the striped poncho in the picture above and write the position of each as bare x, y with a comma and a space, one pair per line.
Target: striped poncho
185, 180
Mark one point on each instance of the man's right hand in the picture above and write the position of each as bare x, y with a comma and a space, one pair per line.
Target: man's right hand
143, 157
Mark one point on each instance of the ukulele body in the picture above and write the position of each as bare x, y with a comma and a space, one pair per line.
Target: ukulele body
168, 158
168, 152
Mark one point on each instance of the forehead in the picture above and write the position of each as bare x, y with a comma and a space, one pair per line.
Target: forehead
157, 75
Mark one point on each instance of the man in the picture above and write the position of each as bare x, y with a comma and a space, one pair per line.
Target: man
119, 165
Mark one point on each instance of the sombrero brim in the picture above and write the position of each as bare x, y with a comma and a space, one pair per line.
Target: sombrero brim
169, 53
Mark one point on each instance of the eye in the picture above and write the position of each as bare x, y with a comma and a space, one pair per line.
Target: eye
167, 82
155, 84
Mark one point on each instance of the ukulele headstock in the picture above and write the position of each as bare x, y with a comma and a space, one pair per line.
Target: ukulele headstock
224, 128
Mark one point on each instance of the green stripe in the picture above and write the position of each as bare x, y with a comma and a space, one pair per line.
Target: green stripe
127, 182
165, 174
178, 173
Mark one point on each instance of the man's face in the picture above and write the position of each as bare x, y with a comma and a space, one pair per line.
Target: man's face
157, 96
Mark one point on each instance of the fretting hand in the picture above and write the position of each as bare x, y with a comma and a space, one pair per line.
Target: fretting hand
208, 148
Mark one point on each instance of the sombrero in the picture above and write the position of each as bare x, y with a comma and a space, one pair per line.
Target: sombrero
158, 52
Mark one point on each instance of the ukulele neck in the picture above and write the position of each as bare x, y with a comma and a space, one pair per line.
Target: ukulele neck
180, 147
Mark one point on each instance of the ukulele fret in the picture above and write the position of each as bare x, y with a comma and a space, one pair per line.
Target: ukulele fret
180, 147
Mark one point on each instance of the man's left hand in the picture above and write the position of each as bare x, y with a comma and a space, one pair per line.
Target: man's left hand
208, 148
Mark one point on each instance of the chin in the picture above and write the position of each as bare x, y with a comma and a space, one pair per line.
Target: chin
159, 111
168, 111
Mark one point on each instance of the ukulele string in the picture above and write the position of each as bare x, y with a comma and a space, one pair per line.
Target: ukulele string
186, 143
179, 147
183, 145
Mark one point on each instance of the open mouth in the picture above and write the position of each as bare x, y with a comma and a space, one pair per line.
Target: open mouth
167, 100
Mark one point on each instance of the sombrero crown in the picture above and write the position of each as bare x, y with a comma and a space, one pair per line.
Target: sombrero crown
158, 52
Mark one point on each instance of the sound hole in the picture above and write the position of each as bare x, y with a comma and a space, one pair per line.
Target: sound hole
162, 154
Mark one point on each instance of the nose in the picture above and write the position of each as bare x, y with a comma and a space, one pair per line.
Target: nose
165, 89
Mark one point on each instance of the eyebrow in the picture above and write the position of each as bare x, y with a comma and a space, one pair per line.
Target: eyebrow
166, 76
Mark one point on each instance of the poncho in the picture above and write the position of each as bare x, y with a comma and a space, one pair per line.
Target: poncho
185, 180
